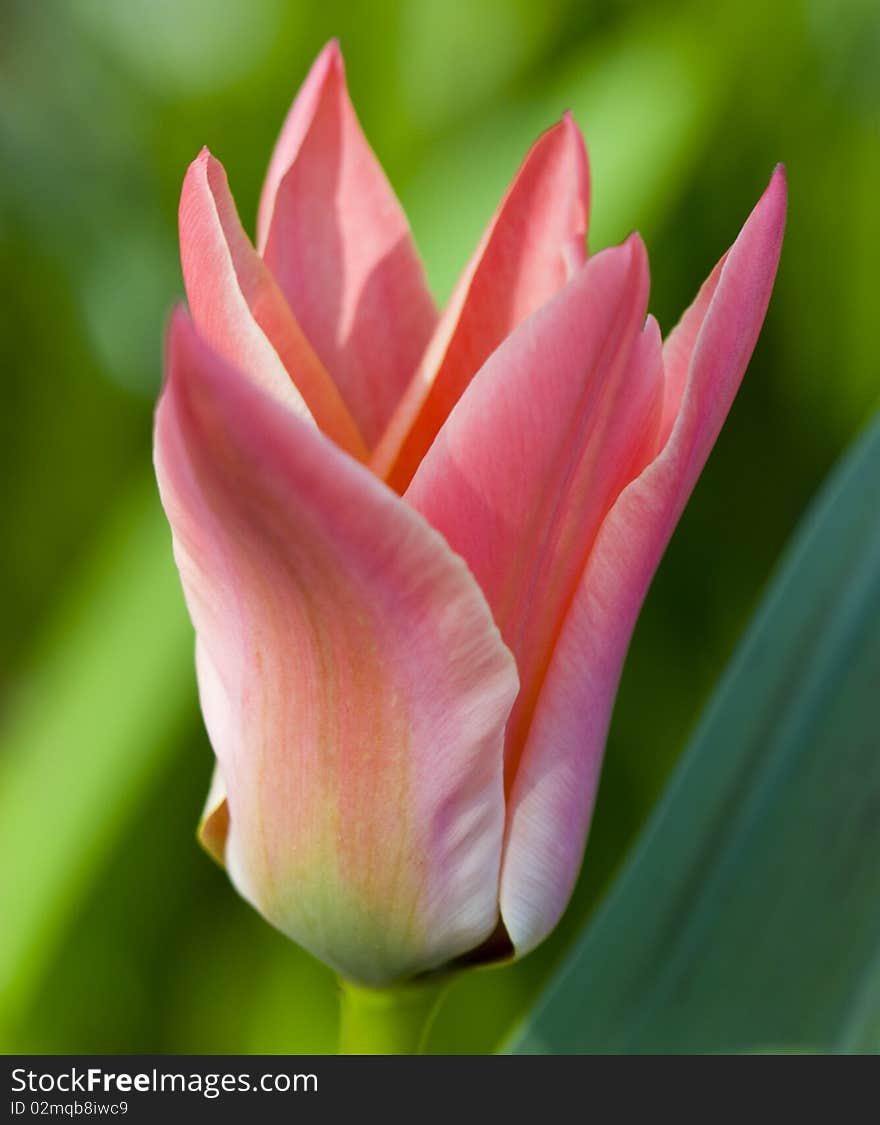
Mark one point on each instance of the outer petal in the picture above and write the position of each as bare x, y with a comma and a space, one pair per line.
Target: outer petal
340, 247
552, 798
558, 421
241, 312
354, 683
534, 241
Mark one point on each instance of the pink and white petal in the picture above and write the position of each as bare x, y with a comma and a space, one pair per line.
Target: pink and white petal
355, 686
555, 785
561, 417
240, 311
535, 240
340, 247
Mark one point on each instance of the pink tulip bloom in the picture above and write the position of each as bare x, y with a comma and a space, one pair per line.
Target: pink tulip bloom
413, 545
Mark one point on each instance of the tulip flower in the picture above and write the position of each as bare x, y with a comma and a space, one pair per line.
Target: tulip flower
414, 545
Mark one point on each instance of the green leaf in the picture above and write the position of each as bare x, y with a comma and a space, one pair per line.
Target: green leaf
748, 917
98, 718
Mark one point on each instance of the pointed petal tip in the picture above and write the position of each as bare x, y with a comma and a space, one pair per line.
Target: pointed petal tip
573, 131
652, 328
777, 189
214, 172
567, 131
327, 64
771, 208
635, 243
334, 48
575, 138
198, 175
760, 239
206, 164
195, 168
567, 123
329, 61
637, 252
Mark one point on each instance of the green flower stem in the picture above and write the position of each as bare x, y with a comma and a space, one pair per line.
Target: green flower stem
387, 1021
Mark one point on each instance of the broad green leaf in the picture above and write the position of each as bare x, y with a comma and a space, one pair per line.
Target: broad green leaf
748, 917
96, 720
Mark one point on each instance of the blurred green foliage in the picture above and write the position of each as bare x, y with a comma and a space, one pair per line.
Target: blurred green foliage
117, 933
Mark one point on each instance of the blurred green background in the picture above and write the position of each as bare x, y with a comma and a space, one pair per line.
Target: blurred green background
116, 933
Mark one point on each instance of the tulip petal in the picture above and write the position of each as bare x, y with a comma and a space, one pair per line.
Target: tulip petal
239, 309
534, 241
337, 240
557, 422
705, 359
354, 684
296, 125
